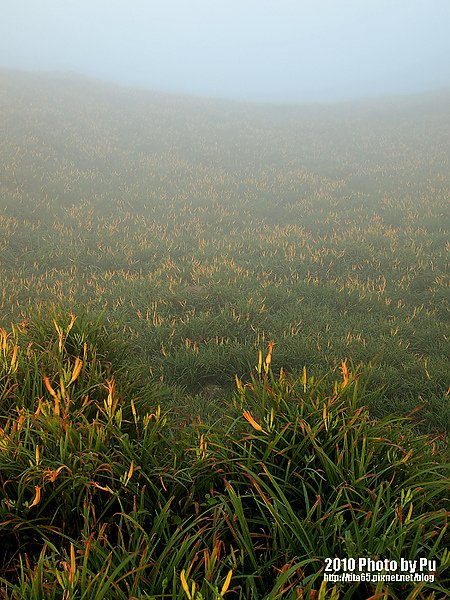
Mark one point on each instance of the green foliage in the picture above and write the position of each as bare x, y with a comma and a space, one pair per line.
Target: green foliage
105, 495
185, 238
200, 232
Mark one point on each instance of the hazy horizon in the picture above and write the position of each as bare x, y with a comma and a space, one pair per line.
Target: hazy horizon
252, 50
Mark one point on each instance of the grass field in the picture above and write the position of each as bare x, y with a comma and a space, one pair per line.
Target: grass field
154, 251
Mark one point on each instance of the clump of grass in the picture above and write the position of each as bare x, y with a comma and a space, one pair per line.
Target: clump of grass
103, 494
324, 478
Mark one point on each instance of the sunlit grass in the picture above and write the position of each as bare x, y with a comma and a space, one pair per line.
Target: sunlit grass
106, 495
149, 253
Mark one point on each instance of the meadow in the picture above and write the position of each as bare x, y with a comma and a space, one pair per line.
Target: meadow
224, 350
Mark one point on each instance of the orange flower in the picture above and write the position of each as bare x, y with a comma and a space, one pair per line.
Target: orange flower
226, 585
344, 371
268, 360
76, 370
185, 585
248, 417
37, 497
49, 387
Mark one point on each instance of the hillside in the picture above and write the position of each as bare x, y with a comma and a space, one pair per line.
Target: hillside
204, 228
223, 345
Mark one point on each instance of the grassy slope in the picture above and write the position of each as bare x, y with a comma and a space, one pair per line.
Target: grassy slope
205, 228
202, 230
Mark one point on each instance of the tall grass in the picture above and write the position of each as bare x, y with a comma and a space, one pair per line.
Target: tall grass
104, 494
205, 229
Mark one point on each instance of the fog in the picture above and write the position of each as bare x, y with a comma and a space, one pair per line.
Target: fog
257, 50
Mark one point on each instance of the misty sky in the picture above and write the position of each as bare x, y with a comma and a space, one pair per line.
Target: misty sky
265, 50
